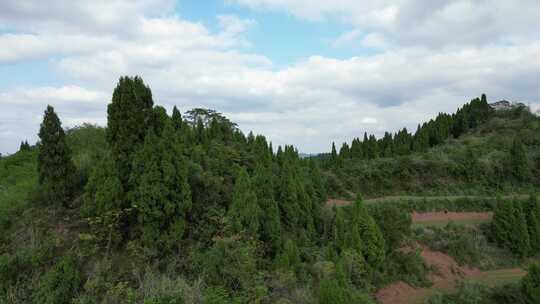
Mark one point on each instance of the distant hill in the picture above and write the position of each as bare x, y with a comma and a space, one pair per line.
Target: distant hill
479, 160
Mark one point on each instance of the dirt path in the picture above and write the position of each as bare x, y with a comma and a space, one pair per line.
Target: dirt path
450, 216
445, 277
339, 202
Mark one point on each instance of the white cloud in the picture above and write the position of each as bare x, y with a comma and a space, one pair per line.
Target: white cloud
310, 103
423, 23
22, 111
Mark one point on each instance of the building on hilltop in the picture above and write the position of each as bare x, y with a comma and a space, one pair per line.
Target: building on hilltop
502, 105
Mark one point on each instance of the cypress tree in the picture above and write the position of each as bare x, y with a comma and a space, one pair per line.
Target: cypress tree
340, 230
200, 132
290, 256
24, 146
521, 244
54, 164
344, 151
503, 223
129, 116
161, 193
331, 292
177, 120
519, 166
509, 228
159, 119
373, 247
532, 213
289, 198
530, 284
244, 212
334, 155
270, 220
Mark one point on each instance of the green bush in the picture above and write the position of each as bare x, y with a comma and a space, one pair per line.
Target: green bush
405, 266
531, 285
60, 284
467, 245
216, 295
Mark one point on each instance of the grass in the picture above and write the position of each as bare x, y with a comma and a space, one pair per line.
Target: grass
489, 278
18, 180
499, 277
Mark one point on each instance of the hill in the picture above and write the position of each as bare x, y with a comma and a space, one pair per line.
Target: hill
162, 208
486, 158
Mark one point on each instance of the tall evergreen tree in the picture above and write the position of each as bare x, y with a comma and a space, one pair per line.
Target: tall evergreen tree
270, 221
373, 247
129, 116
334, 155
530, 284
521, 245
340, 230
518, 164
289, 197
24, 146
503, 223
161, 193
177, 120
244, 212
509, 228
55, 167
532, 214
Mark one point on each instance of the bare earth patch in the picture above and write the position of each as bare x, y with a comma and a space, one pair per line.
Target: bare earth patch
445, 276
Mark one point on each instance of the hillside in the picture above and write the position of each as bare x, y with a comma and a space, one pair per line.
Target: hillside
162, 208
479, 161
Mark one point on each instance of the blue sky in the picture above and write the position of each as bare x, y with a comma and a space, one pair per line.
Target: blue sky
280, 36
303, 72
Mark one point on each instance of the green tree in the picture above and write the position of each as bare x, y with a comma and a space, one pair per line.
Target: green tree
530, 284
289, 206
24, 146
161, 193
330, 292
518, 164
232, 263
334, 155
270, 219
102, 201
60, 284
129, 117
532, 214
503, 223
509, 228
394, 223
373, 247
244, 212
290, 256
55, 167
521, 244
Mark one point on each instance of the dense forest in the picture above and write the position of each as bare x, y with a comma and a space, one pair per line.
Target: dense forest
160, 208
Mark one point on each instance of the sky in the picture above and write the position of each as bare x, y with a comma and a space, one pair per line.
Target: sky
302, 72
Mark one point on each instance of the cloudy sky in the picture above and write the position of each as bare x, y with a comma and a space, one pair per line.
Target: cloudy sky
299, 71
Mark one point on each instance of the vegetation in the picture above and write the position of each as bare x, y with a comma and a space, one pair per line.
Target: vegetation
496, 151
526, 291
186, 208
516, 225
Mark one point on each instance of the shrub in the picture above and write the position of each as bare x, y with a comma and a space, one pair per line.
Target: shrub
60, 284
531, 285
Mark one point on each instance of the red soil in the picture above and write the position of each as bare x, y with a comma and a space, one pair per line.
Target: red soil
447, 272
